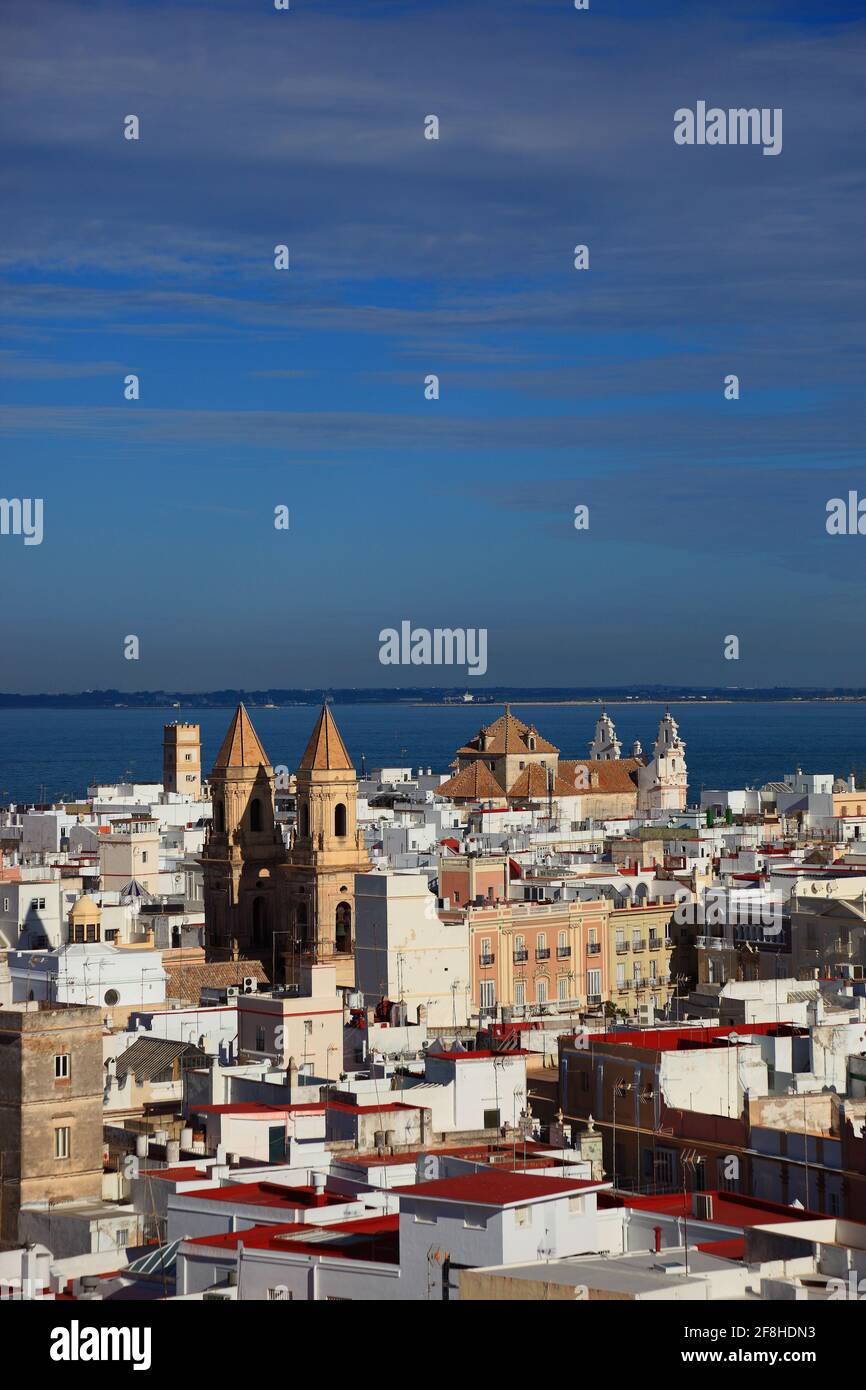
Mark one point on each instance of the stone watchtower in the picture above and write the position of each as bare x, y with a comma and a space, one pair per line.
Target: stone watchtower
181, 759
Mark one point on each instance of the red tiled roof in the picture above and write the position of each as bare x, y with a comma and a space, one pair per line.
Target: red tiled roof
178, 1174
508, 734
259, 1236
267, 1194
729, 1208
363, 1238
473, 783
496, 1189
371, 1109
533, 783
675, 1039
605, 774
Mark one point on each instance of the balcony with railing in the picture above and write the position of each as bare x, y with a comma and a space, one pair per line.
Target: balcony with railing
655, 943
486, 958
542, 953
638, 943
563, 952
520, 956
621, 948
593, 948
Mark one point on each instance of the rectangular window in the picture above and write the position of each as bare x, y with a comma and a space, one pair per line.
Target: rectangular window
541, 991
666, 1167
473, 1219
523, 1217
488, 994
520, 993
593, 983
562, 986
61, 1066
62, 1142
260, 1040
122, 1239
620, 976
575, 1206
491, 1119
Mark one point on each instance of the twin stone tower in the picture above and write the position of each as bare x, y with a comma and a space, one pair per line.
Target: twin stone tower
283, 907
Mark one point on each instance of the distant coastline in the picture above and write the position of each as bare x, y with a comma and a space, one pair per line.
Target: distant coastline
429, 697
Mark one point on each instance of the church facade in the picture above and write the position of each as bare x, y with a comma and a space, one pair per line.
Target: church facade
283, 904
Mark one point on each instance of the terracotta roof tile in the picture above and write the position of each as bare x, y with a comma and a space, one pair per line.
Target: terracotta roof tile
532, 782
186, 981
475, 783
508, 734
605, 775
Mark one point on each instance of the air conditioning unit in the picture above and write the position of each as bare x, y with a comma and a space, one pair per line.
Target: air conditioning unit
249, 984
232, 992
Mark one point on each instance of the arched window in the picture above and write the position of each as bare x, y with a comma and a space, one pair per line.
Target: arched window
260, 921
305, 820
255, 814
563, 940
220, 809
339, 819
343, 923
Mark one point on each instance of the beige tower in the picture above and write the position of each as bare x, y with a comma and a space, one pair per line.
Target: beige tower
181, 759
326, 852
243, 849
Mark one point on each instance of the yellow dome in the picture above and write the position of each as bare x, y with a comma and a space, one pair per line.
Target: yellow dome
85, 907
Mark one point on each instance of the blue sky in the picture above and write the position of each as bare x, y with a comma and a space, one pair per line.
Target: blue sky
409, 257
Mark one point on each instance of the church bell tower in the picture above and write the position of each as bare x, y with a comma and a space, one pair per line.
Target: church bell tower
326, 851
244, 847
